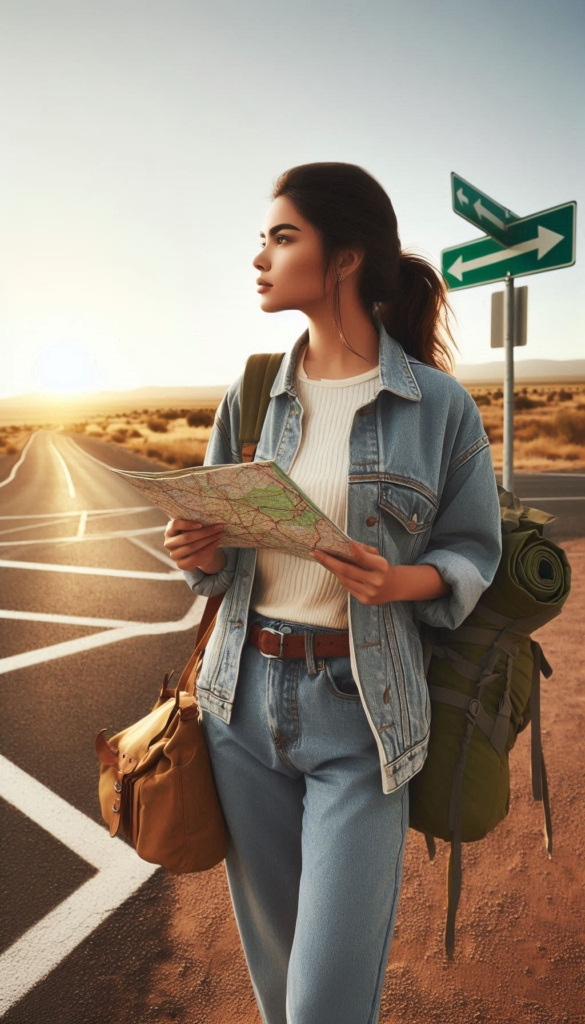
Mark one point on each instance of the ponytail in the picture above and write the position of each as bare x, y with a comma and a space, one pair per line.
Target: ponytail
418, 314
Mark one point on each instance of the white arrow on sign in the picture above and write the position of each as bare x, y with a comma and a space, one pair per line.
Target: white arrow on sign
482, 211
461, 196
544, 242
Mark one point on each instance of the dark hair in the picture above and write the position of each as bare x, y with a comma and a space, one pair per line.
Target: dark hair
348, 207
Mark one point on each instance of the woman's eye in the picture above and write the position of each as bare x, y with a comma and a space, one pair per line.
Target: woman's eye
277, 238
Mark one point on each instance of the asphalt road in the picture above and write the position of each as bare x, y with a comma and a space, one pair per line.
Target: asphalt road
93, 612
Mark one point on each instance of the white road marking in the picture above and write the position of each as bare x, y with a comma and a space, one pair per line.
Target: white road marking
152, 551
82, 522
113, 535
109, 636
68, 620
23, 453
557, 497
123, 510
65, 470
120, 872
31, 526
89, 570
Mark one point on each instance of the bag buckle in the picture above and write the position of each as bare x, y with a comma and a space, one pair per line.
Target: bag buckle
280, 633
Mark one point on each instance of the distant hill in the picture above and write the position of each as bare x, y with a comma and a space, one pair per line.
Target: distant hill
37, 408
41, 408
533, 371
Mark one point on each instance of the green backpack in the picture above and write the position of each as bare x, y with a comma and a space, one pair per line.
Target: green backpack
484, 685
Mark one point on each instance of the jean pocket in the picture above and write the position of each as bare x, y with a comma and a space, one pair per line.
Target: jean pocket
339, 679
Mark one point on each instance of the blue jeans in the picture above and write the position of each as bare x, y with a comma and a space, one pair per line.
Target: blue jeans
315, 852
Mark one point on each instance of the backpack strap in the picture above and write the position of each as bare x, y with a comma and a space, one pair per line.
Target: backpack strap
259, 375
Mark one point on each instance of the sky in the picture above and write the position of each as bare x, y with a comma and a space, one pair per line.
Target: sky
140, 140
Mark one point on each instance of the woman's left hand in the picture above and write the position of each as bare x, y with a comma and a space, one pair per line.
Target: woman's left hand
371, 580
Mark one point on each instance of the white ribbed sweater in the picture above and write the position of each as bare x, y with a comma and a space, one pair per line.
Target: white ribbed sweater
299, 589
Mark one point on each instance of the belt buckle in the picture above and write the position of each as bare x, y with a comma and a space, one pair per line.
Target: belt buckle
268, 629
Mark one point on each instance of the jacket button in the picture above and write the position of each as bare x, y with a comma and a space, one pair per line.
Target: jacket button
371, 521
412, 523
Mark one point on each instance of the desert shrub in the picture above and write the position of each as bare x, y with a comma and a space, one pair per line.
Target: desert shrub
118, 436
153, 453
522, 401
551, 396
10, 449
482, 399
571, 426
528, 430
565, 396
200, 418
170, 458
193, 460
158, 424
133, 433
497, 395
171, 414
494, 432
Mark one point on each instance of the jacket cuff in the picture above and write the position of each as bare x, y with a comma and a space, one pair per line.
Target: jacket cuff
208, 584
450, 610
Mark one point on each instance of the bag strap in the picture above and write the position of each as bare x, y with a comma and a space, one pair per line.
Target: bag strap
259, 375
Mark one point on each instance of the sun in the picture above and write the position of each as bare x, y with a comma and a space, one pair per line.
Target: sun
65, 367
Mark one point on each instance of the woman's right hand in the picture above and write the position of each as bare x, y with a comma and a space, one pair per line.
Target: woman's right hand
192, 545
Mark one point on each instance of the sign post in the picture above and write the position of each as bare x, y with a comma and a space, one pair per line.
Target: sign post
512, 247
508, 453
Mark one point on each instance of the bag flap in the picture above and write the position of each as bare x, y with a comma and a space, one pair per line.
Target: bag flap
134, 742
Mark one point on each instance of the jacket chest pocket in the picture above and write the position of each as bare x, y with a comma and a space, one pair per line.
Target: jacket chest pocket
407, 517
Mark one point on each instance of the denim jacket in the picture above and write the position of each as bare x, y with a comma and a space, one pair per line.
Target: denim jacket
422, 490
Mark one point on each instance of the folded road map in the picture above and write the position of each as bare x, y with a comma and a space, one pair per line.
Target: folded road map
257, 502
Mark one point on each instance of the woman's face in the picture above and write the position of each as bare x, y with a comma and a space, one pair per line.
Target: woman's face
290, 260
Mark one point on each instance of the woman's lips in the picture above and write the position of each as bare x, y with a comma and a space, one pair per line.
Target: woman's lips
263, 287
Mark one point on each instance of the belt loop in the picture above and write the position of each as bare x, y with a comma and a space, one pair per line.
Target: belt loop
311, 667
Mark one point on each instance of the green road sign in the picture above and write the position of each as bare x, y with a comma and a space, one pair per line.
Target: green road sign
543, 241
479, 209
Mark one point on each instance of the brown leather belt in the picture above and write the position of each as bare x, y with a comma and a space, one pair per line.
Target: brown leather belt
274, 644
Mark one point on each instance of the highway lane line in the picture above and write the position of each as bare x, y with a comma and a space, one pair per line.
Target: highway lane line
112, 535
68, 620
65, 470
152, 551
31, 526
88, 570
120, 872
108, 636
82, 522
91, 512
16, 465
556, 497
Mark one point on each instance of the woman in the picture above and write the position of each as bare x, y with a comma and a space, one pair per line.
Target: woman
325, 655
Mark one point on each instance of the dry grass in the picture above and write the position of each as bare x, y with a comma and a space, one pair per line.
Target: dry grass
549, 427
163, 435
13, 439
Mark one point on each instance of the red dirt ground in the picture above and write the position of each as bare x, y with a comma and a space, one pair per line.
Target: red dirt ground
520, 935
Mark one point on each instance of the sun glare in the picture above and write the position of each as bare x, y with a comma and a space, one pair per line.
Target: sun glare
65, 367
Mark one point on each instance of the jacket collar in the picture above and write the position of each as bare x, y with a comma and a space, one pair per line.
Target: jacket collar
395, 371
